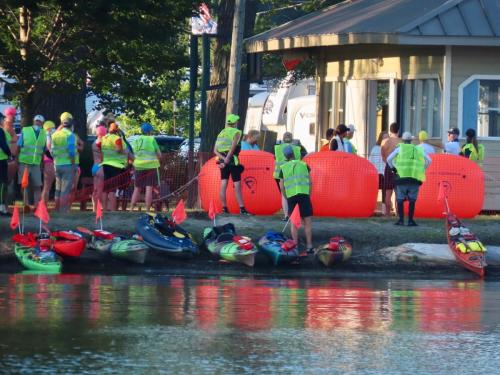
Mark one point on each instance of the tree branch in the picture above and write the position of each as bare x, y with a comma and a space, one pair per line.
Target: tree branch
14, 36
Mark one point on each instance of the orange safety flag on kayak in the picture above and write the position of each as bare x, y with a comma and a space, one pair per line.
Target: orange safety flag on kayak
25, 179
295, 217
14, 220
212, 210
179, 214
41, 212
98, 211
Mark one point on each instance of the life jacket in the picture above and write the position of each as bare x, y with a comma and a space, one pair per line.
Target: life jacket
280, 157
32, 150
110, 156
335, 243
145, 153
8, 139
295, 178
224, 141
59, 147
410, 162
475, 155
244, 242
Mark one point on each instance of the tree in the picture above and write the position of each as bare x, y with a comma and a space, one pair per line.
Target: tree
125, 50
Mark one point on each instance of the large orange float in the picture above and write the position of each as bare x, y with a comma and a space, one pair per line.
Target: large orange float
259, 189
463, 181
343, 184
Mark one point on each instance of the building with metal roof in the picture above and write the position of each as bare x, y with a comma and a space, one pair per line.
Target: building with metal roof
427, 64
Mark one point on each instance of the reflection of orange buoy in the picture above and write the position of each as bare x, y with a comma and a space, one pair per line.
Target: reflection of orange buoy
464, 184
343, 185
260, 192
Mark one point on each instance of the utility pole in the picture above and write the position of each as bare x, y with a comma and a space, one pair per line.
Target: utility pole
233, 83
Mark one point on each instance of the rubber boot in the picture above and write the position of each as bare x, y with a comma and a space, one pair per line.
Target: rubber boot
411, 222
401, 213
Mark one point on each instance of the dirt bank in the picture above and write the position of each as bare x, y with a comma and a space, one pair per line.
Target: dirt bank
368, 237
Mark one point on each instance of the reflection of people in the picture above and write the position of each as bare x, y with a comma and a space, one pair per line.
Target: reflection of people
296, 183
471, 149
203, 24
410, 163
226, 148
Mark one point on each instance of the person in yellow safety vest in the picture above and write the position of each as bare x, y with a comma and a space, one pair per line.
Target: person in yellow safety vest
114, 162
227, 149
409, 162
280, 160
63, 150
31, 143
296, 183
146, 164
348, 145
5, 155
48, 170
471, 149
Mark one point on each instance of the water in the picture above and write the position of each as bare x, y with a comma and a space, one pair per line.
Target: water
151, 325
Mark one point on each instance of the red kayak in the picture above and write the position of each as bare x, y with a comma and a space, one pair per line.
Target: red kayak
64, 243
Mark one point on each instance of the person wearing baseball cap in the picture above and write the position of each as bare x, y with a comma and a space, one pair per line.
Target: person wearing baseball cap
146, 164
226, 148
349, 147
409, 162
31, 143
452, 147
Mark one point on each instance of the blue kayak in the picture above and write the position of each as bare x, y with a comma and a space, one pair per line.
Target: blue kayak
163, 235
278, 248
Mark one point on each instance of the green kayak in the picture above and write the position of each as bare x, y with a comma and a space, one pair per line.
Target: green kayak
37, 261
131, 250
222, 241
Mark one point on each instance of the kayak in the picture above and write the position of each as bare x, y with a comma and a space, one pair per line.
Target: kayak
465, 246
163, 235
337, 250
119, 247
68, 243
278, 248
222, 241
36, 260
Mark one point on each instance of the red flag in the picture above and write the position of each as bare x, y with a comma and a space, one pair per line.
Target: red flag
98, 211
295, 217
41, 212
14, 220
179, 214
212, 210
25, 179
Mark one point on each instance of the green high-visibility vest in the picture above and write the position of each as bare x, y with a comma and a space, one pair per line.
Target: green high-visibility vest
410, 162
32, 150
110, 156
59, 148
295, 178
280, 157
475, 155
225, 141
8, 139
145, 148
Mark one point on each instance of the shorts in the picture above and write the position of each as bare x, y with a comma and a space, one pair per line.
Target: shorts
388, 178
407, 192
304, 202
114, 178
231, 170
146, 177
4, 171
34, 172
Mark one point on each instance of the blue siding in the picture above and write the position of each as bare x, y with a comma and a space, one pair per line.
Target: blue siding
470, 106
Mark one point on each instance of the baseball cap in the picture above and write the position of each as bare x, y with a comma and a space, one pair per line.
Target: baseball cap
454, 131
422, 135
146, 127
287, 137
232, 118
38, 118
288, 151
351, 128
66, 116
407, 136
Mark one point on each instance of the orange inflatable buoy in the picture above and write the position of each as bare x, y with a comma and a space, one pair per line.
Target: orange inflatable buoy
259, 189
343, 184
463, 182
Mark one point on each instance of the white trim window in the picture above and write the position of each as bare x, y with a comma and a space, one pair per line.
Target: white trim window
422, 102
479, 105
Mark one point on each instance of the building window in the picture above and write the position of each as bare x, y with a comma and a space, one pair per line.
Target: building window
422, 106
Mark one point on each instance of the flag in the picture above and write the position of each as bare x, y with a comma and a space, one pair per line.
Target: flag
295, 217
98, 211
41, 212
179, 214
14, 220
212, 210
25, 179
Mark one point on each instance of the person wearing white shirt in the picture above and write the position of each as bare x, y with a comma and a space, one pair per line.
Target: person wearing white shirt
423, 137
453, 145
